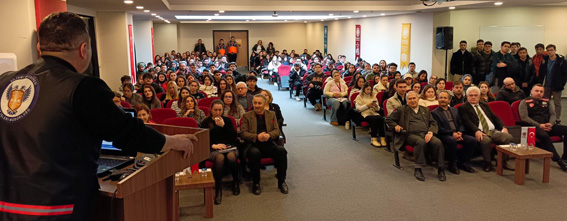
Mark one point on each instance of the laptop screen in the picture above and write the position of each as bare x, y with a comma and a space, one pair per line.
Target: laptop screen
107, 145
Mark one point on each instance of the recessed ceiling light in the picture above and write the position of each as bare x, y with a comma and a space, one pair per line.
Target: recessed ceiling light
128, 2
364, 16
382, 14
253, 19
221, 11
451, 8
336, 18
153, 14
498, 3
349, 17
285, 20
139, 7
355, 11
304, 21
216, 14
247, 20
146, 11
331, 14
322, 19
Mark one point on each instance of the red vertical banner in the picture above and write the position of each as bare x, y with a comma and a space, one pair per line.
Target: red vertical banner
357, 42
153, 49
131, 46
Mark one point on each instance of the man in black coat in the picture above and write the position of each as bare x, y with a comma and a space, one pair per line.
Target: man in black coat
553, 75
484, 125
451, 133
296, 79
200, 47
461, 62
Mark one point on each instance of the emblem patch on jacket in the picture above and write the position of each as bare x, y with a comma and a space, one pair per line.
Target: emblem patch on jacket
18, 97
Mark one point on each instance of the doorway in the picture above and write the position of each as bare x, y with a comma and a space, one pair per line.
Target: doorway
241, 37
93, 69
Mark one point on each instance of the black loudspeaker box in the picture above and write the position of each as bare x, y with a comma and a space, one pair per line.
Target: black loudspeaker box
444, 38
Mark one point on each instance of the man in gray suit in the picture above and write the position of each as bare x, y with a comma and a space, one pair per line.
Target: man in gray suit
414, 125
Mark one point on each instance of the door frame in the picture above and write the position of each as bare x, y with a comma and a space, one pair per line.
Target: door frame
247, 43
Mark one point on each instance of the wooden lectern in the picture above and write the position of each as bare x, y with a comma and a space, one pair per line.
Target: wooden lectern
148, 193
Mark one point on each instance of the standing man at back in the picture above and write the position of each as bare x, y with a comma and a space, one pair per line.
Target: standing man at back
553, 75
461, 62
52, 123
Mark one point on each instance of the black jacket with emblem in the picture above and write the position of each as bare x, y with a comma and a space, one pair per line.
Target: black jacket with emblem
48, 157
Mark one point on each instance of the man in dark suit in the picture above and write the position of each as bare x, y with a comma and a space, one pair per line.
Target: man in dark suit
482, 123
451, 133
260, 129
414, 125
296, 79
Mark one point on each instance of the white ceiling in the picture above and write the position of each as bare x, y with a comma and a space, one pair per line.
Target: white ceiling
168, 9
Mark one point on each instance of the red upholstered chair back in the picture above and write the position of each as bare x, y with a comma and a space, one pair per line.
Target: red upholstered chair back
182, 121
352, 98
161, 114
385, 107
205, 94
233, 122
283, 70
159, 95
206, 102
449, 85
206, 110
379, 96
371, 82
170, 102
432, 107
516, 110
503, 111
348, 79
125, 104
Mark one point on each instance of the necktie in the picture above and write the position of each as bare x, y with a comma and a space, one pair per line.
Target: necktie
483, 121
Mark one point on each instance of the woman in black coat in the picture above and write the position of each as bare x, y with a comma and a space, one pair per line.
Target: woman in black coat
223, 137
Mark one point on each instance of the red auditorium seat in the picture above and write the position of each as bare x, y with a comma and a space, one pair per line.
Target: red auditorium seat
161, 114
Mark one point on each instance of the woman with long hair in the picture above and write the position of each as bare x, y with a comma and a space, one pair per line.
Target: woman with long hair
270, 105
357, 86
422, 76
149, 98
190, 109
231, 82
208, 86
355, 76
222, 137
485, 94
171, 92
183, 93
129, 95
383, 67
428, 96
181, 82
367, 104
162, 80
440, 84
416, 87
382, 84
231, 106
223, 86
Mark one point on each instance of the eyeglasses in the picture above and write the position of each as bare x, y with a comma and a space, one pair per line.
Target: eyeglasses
240, 88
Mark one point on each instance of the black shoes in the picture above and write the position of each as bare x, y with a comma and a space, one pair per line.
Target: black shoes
236, 188
453, 169
283, 188
466, 167
441, 174
418, 174
256, 189
218, 196
487, 167
562, 165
